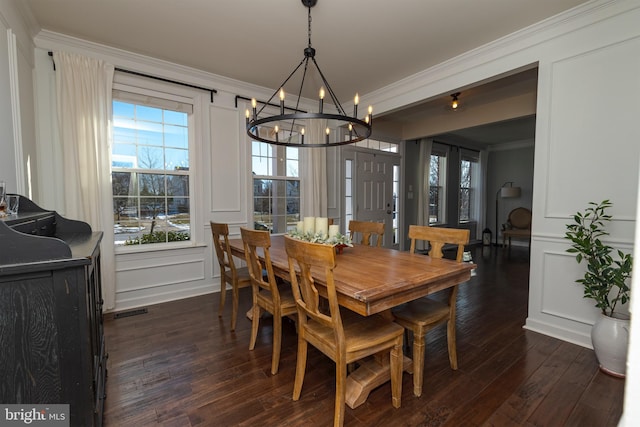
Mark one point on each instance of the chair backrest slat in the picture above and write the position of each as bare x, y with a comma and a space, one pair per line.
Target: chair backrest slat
367, 230
220, 233
303, 257
438, 237
256, 242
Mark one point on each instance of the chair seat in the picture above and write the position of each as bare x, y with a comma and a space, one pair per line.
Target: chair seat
287, 302
422, 312
362, 333
242, 273
518, 232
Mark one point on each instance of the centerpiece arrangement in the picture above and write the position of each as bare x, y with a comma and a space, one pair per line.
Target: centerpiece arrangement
318, 230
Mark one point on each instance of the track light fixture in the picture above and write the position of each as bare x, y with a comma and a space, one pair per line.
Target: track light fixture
454, 101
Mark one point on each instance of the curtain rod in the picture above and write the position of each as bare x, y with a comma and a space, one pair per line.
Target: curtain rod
211, 91
456, 146
266, 103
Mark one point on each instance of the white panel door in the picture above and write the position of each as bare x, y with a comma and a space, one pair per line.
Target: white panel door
374, 191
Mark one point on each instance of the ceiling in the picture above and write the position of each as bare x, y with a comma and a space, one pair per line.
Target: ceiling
362, 45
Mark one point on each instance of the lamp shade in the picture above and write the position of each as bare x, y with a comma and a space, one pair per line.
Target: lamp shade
507, 192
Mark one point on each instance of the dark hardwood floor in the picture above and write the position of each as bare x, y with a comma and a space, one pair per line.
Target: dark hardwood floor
179, 365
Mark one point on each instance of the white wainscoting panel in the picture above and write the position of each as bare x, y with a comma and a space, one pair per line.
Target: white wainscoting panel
154, 277
585, 138
227, 161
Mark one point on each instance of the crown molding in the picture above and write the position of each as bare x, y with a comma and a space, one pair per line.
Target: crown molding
120, 58
454, 73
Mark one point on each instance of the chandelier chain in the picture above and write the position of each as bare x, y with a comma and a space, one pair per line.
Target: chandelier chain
309, 28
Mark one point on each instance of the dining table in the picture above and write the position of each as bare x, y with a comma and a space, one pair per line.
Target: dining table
371, 281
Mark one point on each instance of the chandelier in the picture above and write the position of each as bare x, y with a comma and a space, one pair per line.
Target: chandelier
289, 129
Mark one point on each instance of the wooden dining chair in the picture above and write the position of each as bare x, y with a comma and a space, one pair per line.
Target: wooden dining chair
424, 314
236, 277
367, 230
266, 294
343, 340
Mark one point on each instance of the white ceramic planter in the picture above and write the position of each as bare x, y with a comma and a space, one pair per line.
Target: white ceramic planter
610, 338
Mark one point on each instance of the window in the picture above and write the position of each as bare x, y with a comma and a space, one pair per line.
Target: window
150, 170
468, 182
465, 191
396, 201
348, 191
276, 187
437, 186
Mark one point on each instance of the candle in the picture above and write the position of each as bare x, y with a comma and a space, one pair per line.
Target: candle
281, 101
309, 224
370, 113
247, 114
356, 99
322, 226
276, 129
327, 132
302, 135
254, 105
350, 131
334, 230
321, 99
300, 226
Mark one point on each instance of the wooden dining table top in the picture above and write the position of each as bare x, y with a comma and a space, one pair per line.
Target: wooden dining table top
372, 280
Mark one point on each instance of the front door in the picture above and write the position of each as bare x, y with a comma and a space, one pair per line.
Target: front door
374, 192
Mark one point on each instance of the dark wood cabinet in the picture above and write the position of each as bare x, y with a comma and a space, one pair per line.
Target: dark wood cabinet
52, 348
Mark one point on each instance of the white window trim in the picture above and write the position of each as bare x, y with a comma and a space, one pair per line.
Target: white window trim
174, 96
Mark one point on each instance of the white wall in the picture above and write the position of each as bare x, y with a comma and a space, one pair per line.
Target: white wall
16, 99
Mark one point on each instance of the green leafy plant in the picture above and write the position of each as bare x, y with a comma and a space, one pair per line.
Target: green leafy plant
605, 280
338, 239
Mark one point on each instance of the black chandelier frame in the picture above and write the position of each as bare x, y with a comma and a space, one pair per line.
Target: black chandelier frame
357, 129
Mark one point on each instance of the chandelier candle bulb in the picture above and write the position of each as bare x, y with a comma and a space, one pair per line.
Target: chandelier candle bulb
328, 131
309, 224
356, 99
254, 105
322, 226
281, 101
321, 100
276, 130
302, 135
248, 115
370, 114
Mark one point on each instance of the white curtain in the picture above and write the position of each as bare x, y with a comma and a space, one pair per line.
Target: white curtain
423, 194
83, 87
314, 172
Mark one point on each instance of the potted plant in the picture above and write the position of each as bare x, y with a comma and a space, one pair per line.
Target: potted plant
605, 281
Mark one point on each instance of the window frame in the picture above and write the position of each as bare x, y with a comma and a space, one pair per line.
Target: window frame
474, 169
441, 207
173, 95
279, 155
